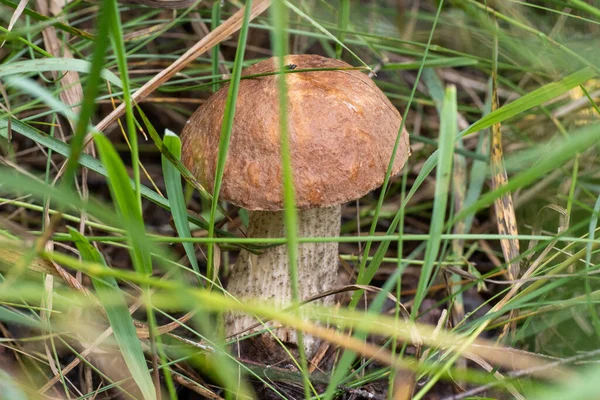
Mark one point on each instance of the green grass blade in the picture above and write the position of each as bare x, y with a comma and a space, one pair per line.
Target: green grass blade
129, 209
442, 62
543, 159
435, 88
15, 317
111, 297
532, 99
175, 194
13, 35
448, 129
127, 205
279, 16
226, 127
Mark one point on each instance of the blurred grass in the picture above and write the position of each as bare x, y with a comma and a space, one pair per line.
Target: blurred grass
547, 70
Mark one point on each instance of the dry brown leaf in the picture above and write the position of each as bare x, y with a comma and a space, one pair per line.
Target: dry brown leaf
459, 185
505, 210
504, 207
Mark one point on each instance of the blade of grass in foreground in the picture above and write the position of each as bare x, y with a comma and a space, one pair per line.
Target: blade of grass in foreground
109, 294
9, 388
176, 296
226, 128
279, 16
448, 129
129, 209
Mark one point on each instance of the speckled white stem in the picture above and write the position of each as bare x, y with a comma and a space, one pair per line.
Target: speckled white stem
266, 276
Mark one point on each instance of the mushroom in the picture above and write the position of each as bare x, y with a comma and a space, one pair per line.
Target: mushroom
342, 130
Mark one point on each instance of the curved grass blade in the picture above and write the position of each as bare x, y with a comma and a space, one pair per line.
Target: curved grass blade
42, 94
532, 99
58, 64
279, 17
544, 158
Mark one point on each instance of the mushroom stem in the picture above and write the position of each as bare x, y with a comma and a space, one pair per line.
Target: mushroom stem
267, 275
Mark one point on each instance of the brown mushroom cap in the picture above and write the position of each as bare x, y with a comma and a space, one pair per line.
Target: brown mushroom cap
342, 130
